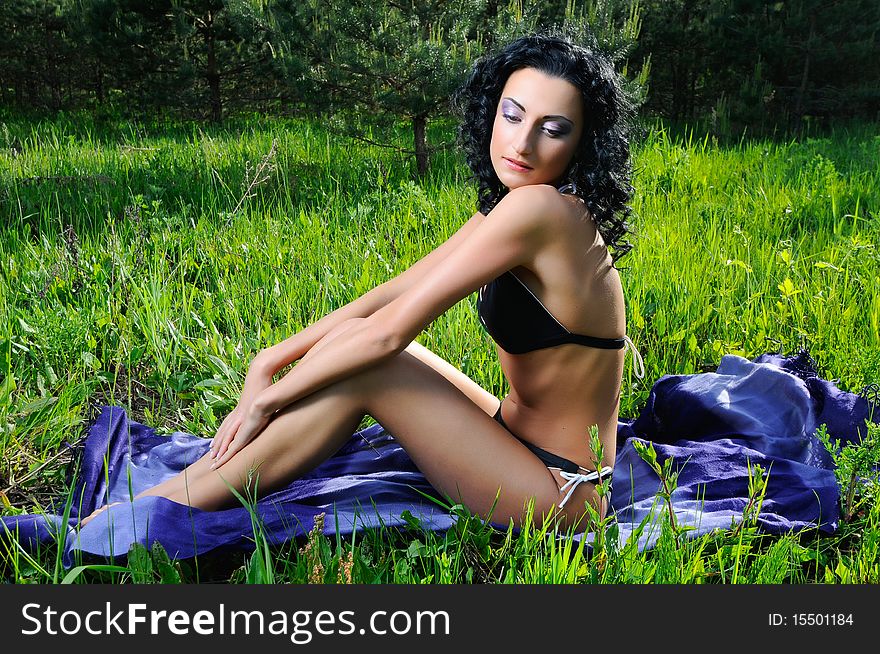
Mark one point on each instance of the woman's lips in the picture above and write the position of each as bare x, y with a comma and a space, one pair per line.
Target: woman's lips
518, 166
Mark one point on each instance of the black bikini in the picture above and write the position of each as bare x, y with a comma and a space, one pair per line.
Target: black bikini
519, 322
569, 470
550, 460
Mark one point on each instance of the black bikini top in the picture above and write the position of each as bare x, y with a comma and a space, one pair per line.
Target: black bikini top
519, 322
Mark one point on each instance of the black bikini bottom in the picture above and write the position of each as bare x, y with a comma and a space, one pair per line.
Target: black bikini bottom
550, 460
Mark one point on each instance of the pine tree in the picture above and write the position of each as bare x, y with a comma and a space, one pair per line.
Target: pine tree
131, 45
387, 61
39, 66
762, 62
196, 56
611, 26
400, 61
216, 54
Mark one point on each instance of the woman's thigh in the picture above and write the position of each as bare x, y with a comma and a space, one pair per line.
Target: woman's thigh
476, 393
462, 451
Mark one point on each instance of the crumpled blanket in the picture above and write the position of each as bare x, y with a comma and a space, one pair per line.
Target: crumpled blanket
718, 425
714, 425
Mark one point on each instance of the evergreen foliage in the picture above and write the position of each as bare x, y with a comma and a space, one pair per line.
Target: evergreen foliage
377, 67
761, 63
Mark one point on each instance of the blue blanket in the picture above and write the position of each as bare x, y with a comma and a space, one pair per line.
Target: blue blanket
714, 425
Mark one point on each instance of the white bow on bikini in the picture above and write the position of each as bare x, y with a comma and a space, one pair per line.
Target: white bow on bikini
575, 478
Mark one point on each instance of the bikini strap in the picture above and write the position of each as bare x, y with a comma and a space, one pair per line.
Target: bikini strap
637, 358
576, 478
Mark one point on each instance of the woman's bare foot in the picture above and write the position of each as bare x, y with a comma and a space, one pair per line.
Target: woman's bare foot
94, 514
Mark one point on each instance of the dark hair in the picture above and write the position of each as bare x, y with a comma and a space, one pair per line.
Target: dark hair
600, 170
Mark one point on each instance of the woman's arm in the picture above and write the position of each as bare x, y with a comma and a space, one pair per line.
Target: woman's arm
272, 359
269, 361
518, 228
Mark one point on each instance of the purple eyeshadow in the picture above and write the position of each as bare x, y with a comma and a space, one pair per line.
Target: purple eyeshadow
508, 106
562, 128
510, 109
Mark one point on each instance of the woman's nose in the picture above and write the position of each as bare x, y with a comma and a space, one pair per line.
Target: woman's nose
522, 143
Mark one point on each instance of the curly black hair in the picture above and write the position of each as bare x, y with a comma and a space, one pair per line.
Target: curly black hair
600, 171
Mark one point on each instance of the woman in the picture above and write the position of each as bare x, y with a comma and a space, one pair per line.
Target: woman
544, 132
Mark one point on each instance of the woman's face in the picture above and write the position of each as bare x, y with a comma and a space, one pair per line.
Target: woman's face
537, 128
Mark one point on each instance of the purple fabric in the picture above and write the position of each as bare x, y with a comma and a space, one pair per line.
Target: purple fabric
713, 424
369, 482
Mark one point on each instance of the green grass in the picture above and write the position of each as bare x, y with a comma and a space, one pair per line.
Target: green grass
144, 265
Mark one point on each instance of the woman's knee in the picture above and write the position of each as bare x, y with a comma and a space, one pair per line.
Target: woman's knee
377, 377
344, 326
366, 384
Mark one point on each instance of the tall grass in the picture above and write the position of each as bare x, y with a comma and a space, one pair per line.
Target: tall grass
145, 265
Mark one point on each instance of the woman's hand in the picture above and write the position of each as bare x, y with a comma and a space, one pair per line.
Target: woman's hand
258, 379
254, 420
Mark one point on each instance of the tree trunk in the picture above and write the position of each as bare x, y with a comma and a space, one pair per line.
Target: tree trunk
677, 92
212, 74
490, 15
805, 74
421, 146
99, 84
688, 77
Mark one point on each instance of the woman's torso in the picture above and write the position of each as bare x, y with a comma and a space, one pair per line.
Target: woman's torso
556, 393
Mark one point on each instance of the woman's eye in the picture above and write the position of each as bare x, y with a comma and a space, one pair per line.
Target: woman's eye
510, 118
554, 130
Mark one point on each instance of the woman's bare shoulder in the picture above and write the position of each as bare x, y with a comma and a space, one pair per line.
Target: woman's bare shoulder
559, 210
544, 195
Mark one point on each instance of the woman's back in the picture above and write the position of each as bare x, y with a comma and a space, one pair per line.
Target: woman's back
557, 392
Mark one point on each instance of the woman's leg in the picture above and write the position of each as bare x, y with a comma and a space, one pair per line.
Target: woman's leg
441, 423
176, 485
461, 450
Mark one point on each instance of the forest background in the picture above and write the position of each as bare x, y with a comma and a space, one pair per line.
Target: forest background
731, 65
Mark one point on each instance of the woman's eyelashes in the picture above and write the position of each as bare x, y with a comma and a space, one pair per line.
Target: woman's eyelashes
553, 129
556, 129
